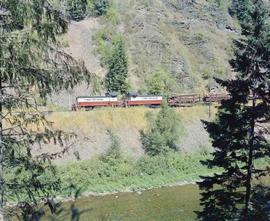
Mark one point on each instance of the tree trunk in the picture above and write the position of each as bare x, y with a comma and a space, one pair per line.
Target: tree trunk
250, 162
1, 155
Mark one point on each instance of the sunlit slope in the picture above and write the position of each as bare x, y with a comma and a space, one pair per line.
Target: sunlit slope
189, 39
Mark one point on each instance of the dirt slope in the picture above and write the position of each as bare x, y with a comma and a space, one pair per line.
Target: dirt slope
81, 44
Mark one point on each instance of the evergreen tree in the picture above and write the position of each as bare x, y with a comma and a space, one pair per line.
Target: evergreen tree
238, 9
31, 65
163, 134
116, 78
238, 133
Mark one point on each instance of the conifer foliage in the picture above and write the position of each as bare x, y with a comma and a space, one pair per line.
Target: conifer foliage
31, 65
116, 78
239, 131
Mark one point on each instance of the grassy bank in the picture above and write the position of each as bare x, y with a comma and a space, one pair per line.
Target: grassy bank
125, 174
116, 118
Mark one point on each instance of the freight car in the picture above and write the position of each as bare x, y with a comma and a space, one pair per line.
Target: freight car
215, 98
183, 100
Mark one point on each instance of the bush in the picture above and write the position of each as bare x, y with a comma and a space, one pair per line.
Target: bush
77, 9
101, 7
114, 152
161, 82
99, 175
163, 134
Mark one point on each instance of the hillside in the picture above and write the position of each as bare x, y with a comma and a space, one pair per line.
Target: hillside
93, 127
189, 39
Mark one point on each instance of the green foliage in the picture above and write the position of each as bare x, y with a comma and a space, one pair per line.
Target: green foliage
77, 9
239, 8
160, 83
127, 173
116, 78
114, 152
238, 140
101, 6
104, 39
112, 15
163, 134
260, 203
31, 67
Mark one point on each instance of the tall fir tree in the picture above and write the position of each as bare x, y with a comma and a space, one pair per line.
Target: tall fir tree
31, 65
116, 78
238, 133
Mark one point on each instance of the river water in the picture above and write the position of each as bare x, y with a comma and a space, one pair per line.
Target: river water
164, 204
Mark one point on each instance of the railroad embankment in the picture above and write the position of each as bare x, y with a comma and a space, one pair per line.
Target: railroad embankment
93, 131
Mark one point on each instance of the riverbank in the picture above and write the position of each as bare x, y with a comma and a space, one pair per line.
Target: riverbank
104, 177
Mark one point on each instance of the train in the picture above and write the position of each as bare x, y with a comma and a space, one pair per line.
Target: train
134, 99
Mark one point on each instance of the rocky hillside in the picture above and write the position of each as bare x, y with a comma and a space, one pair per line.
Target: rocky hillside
189, 39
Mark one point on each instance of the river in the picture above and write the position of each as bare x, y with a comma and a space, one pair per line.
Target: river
164, 204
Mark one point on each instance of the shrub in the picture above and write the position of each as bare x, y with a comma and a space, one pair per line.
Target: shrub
114, 152
77, 9
160, 82
163, 134
101, 7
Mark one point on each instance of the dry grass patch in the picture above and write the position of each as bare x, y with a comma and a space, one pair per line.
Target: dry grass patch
101, 119
119, 118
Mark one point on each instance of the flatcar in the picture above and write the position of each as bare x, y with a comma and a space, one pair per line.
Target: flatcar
215, 98
183, 100
89, 103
